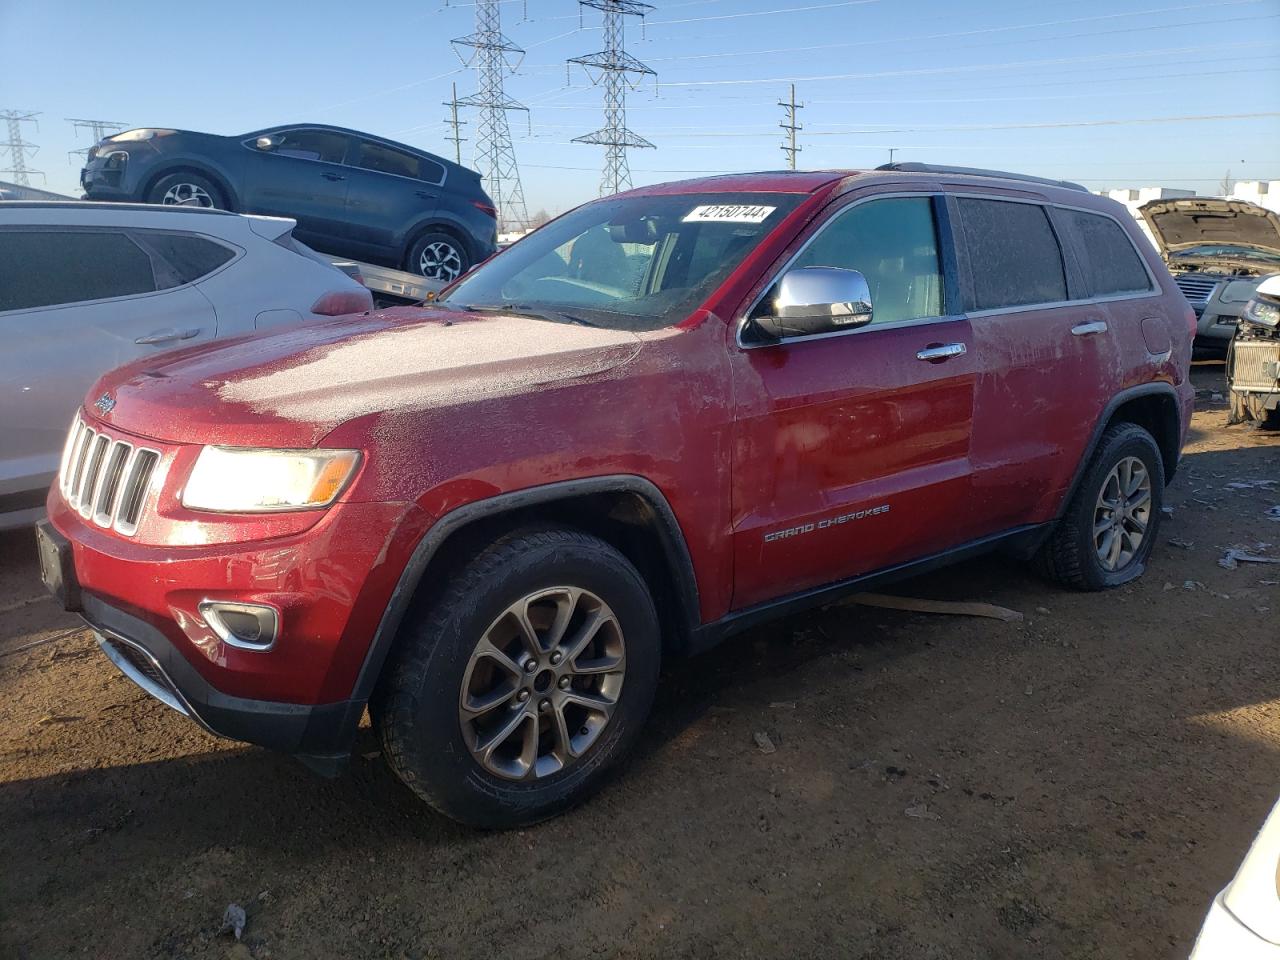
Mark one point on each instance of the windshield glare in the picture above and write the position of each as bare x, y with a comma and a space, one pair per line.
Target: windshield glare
632, 263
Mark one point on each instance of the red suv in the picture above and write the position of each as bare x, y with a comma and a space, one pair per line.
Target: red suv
660, 419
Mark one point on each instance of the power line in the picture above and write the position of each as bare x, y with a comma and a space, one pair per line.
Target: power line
613, 67
19, 150
791, 126
98, 131
494, 55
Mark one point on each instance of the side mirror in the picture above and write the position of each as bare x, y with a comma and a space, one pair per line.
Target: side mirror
814, 300
266, 143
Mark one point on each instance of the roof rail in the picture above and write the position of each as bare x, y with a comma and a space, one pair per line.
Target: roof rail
979, 172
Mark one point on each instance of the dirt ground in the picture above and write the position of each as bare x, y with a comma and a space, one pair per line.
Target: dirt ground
1078, 784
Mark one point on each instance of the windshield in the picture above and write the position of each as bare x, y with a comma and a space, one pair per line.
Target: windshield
631, 263
1229, 251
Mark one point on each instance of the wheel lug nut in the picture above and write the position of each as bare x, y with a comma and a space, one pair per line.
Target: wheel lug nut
530, 665
557, 657
544, 706
564, 682
522, 696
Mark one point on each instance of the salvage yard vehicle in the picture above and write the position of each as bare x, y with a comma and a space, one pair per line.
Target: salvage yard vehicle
353, 194
1244, 919
1253, 362
1218, 251
85, 287
660, 419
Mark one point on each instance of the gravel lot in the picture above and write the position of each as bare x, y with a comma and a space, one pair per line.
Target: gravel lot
1078, 784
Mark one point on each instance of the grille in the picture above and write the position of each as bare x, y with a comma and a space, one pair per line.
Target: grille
1255, 366
105, 479
1195, 287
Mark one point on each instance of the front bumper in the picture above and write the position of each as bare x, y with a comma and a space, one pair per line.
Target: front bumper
108, 177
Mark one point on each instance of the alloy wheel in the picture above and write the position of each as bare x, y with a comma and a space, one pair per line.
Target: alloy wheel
1122, 514
440, 261
542, 683
187, 195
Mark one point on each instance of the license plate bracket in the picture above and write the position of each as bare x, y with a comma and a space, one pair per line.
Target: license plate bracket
57, 566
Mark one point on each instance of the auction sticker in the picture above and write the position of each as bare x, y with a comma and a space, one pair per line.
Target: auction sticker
728, 213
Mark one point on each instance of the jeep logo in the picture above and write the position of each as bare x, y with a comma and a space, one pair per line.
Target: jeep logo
105, 404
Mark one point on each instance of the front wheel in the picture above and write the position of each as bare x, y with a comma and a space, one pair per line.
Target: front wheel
518, 688
438, 256
1108, 531
187, 190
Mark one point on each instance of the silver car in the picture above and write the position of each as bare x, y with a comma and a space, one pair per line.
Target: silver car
85, 287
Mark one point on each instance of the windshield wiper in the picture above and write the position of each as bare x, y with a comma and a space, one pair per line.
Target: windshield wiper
527, 310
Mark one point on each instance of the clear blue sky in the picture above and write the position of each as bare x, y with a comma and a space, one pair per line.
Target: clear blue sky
938, 80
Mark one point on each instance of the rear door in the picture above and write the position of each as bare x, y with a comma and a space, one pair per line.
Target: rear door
387, 191
851, 450
301, 175
1049, 360
74, 303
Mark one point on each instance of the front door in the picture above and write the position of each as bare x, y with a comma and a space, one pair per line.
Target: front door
300, 175
851, 449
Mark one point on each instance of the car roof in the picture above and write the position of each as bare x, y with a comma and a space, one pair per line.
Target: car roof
347, 131
96, 213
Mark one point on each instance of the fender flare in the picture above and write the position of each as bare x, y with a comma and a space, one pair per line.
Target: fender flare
675, 550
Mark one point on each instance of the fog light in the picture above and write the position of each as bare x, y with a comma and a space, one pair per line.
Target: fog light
249, 626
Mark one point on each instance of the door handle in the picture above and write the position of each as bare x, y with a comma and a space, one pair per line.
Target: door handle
167, 336
938, 352
333, 176
1085, 329
427, 194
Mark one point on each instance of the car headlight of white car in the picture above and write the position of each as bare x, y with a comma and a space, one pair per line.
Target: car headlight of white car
241, 480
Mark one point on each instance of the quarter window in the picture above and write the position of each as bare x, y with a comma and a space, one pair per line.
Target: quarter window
40, 268
1013, 254
894, 244
183, 258
380, 159
1110, 260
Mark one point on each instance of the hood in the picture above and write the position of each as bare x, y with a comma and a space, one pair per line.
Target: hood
1192, 221
292, 387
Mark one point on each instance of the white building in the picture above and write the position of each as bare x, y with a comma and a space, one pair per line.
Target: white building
1265, 193
1137, 196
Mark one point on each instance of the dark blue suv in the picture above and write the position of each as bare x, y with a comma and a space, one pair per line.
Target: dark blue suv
353, 195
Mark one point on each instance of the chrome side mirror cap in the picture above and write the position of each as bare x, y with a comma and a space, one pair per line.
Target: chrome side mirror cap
813, 300
266, 143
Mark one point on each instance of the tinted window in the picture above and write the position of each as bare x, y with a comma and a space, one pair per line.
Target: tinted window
1110, 260
186, 258
1013, 254
311, 145
40, 268
374, 156
894, 244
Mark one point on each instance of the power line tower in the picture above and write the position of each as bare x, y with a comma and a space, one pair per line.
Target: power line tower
493, 56
19, 150
613, 67
792, 126
455, 126
98, 129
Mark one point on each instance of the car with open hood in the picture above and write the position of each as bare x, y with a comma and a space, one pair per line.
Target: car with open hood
1217, 250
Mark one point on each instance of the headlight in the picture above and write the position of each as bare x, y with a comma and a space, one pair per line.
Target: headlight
1264, 312
145, 133
238, 480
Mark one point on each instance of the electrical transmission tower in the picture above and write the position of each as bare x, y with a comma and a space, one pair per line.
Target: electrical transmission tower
791, 126
613, 68
493, 56
19, 150
455, 127
98, 129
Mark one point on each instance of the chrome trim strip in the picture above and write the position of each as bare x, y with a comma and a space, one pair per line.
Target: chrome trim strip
209, 606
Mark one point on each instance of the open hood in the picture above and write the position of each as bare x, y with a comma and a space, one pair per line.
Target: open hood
1194, 221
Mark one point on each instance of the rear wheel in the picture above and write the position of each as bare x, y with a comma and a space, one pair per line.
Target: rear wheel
187, 190
515, 692
1108, 531
438, 256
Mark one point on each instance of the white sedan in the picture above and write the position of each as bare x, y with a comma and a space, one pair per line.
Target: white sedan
85, 287
1244, 920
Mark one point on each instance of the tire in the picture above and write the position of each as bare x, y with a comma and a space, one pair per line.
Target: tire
1072, 554
438, 750
1270, 421
187, 189
437, 255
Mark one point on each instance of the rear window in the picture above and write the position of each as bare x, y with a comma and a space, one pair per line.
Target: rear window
1013, 254
1110, 260
42, 268
184, 258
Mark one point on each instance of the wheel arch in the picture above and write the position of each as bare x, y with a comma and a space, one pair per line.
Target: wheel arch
628, 512
189, 166
437, 225
1152, 406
